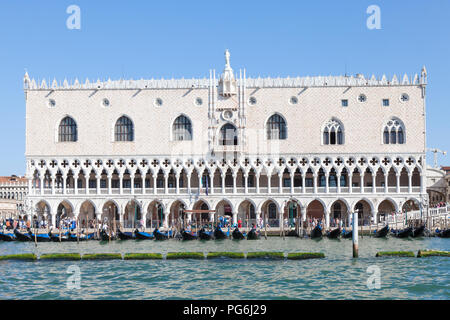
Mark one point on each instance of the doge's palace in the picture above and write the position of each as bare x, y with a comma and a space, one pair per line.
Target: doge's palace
308, 147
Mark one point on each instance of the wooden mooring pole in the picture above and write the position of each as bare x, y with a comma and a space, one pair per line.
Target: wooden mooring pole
355, 234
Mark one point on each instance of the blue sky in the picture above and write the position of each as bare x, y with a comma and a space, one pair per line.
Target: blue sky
154, 39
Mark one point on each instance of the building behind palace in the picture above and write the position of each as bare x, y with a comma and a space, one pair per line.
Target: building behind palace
13, 191
316, 147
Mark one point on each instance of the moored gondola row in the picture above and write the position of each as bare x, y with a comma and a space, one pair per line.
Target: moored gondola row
207, 234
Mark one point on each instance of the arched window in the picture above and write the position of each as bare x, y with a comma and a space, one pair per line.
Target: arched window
228, 135
123, 130
276, 128
67, 131
333, 132
394, 132
182, 129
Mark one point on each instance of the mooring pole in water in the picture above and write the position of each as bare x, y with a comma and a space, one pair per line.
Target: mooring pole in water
355, 234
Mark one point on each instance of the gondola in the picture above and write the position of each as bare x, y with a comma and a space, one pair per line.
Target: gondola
219, 234
444, 233
159, 235
253, 235
187, 235
347, 234
292, 233
205, 235
405, 233
104, 236
125, 235
334, 234
55, 237
237, 235
418, 232
7, 237
81, 237
382, 232
40, 237
21, 236
316, 232
144, 235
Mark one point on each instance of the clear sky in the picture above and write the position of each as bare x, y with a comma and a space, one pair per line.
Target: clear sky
154, 39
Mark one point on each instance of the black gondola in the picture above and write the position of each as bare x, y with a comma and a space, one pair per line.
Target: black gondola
237, 235
334, 234
292, 233
55, 237
81, 237
7, 237
125, 235
347, 234
219, 234
159, 235
444, 233
253, 235
21, 236
205, 235
382, 232
40, 237
104, 236
405, 233
187, 235
316, 232
144, 235
418, 232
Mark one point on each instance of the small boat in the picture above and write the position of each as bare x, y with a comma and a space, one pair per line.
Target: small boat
7, 236
405, 233
55, 237
316, 232
253, 235
125, 235
22, 236
382, 232
334, 234
292, 233
81, 237
188, 235
104, 236
237, 235
418, 232
205, 235
145, 235
444, 233
219, 234
40, 237
160, 235
347, 234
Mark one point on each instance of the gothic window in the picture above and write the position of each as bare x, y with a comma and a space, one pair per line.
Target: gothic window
276, 128
228, 135
182, 129
67, 130
333, 132
272, 211
394, 132
124, 130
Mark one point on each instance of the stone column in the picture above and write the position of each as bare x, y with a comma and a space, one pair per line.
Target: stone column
53, 178
269, 182
257, 182
315, 182
166, 183
121, 183
327, 219
280, 183
86, 179
143, 182
409, 182
30, 185
223, 183
132, 183
374, 182
350, 183
374, 217
189, 183
386, 182
361, 181
64, 177
303, 183
246, 183
422, 183
109, 183
327, 182
155, 189
234, 218
234, 183
292, 181
338, 183
398, 182
98, 177
166, 220
189, 217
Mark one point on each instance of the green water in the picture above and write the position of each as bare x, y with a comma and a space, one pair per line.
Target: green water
338, 276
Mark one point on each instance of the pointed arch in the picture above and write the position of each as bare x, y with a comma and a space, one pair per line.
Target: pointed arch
124, 129
276, 127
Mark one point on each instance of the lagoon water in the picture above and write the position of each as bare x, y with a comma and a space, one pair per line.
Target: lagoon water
338, 276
